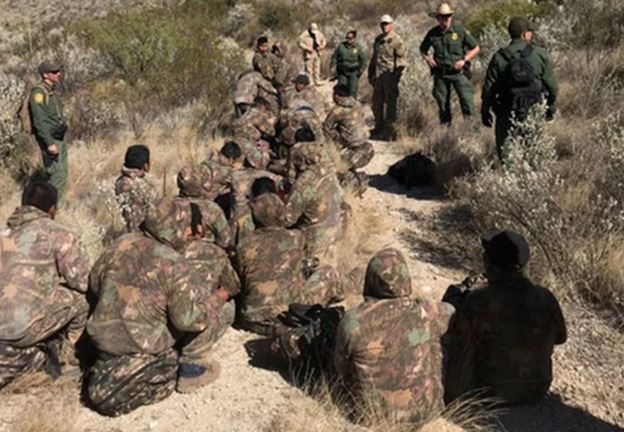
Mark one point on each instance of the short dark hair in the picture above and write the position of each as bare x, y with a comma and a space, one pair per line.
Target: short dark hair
352, 33
137, 156
231, 150
341, 90
41, 195
262, 102
262, 40
304, 134
263, 185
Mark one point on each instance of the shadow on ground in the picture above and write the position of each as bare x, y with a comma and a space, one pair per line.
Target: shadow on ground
385, 183
553, 415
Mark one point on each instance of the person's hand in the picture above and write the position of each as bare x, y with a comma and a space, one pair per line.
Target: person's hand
431, 62
53, 149
459, 64
222, 294
486, 118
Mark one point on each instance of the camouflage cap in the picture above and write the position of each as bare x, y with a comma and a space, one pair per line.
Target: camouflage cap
195, 181
305, 154
167, 221
268, 210
387, 275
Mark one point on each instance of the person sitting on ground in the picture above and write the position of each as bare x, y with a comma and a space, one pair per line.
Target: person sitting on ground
251, 85
43, 280
303, 92
388, 355
257, 124
270, 263
504, 331
155, 320
133, 189
284, 66
313, 203
263, 61
346, 126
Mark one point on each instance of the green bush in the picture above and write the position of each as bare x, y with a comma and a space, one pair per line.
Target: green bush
498, 13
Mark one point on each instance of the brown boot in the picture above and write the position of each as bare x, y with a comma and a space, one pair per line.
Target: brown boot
192, 377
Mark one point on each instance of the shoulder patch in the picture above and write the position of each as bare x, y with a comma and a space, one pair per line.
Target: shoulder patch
38, 98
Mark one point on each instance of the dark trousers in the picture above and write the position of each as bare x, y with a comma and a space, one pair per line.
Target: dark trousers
385, 97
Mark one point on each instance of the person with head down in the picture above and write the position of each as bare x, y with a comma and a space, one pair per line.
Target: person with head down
156, 317
271, 264
388, 354
505, 329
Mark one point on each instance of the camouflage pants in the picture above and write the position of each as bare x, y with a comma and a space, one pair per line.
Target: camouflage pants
358, 156
120, 384
15, 362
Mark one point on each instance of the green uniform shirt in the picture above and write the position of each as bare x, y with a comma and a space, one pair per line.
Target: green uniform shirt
542, 69
448, 46
46, 112
349, 58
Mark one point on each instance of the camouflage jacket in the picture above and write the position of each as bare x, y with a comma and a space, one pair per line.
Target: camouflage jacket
254, 125
308, 96
134, 192
147, 295
37, 257
285, 69
207, 180
251, 85
388, 349
502, 340
389, 55
298, 116
264, 64
315, 198
269, 262
345, 123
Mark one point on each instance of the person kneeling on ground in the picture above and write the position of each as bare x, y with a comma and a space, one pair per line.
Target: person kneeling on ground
388, 354
504, 331
43, 278
154, 324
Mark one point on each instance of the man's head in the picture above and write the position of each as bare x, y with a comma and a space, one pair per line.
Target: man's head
386, 24
351, 36
262, 44
301, 82
50, 72
505, 251
263, 185
520, 28
137, 157
387, 275
444, 15
41, 195
232, 154
313, 28
341, 91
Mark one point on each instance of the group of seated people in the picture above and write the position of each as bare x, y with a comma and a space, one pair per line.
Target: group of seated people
254, 229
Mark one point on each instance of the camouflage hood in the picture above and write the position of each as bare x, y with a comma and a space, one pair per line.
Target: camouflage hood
167, 220
268, 210
195, 181
25, 214
387, 276
347, 102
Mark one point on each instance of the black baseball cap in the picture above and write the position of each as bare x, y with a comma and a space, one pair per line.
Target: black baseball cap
46, 67
507, 250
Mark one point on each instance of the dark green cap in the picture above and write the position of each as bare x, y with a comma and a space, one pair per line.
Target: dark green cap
47, 66
519, 25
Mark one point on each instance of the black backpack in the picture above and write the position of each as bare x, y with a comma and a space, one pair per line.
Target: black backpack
521, 89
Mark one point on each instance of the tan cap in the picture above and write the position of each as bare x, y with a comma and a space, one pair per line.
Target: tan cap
442, 10
313, 27
386, 19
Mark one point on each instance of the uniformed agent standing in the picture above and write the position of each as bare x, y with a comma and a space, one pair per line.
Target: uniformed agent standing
350, 61
384, 72
49, 124
517, 77
453, 48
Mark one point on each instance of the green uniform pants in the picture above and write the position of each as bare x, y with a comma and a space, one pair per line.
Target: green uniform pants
502, 128
385, 96
56, 168
442, 93
351, 80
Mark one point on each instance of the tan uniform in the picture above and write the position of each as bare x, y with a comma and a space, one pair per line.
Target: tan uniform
312, 43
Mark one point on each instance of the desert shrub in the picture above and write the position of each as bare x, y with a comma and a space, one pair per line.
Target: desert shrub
571, 211
498, 13
596, 24
285, 17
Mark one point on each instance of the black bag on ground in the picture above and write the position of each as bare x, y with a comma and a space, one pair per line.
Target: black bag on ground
414, 170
